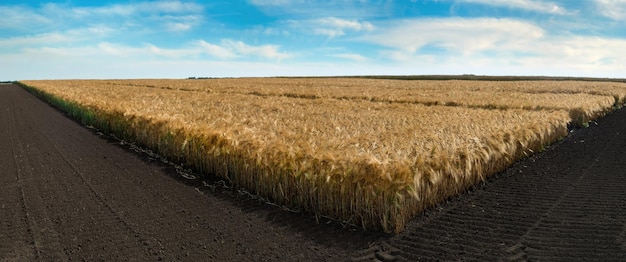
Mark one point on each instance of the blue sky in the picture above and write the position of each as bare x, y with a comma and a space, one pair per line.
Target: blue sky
177, 39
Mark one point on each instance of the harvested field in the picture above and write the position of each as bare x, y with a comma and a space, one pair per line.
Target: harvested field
71, 194
369, 160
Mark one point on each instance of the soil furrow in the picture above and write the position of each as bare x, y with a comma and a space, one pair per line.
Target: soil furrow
29, 203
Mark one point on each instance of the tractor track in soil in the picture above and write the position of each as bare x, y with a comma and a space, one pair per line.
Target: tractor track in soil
70, 193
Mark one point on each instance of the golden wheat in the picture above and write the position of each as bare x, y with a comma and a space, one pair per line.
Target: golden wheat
372, 162
376, 88
584, 100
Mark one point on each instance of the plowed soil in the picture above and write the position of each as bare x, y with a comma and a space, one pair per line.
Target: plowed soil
70, 193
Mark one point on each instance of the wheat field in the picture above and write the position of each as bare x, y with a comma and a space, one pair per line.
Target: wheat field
369, 152
584, 100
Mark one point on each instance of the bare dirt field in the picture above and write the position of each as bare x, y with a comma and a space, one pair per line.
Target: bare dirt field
70, 193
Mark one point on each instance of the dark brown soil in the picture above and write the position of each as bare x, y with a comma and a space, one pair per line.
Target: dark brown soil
70, 193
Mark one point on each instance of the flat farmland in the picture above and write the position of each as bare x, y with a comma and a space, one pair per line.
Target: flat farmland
368, 152
71, 194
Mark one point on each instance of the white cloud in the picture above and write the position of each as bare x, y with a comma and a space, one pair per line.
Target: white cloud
227, 49
614, 9
531, 5
178, 26
456, 35
215, 50
180, 23
172, 53
344, 24
263, 51
112, 49
584, 51
489, 43
330, 26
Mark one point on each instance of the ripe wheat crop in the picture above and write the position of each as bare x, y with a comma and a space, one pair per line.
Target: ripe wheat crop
374, 158
584, 100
